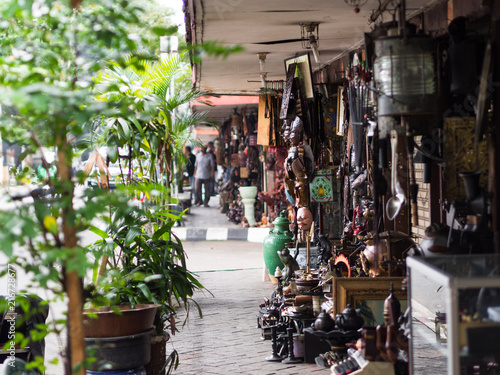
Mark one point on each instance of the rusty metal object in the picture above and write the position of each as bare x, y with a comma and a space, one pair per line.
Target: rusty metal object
386, 258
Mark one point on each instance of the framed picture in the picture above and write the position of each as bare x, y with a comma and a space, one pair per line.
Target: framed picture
341, 93
264, 123
367, 294
303, 72
243, 172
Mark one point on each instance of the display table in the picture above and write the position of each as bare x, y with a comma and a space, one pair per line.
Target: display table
454, 325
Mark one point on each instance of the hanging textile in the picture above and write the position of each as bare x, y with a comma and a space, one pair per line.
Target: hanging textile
264, 124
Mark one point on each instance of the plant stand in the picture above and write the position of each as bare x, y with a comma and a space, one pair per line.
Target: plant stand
158, 355
120, 353
248, 194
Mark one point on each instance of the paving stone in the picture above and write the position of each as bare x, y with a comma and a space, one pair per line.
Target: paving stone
237, 234
227, 339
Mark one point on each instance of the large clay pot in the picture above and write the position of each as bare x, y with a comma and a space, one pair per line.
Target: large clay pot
117, 321
276, 241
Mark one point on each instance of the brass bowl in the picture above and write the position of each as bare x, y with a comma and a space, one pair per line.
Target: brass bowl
304, 284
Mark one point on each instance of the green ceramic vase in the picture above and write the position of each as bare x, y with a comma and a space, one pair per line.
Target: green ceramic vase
275, 241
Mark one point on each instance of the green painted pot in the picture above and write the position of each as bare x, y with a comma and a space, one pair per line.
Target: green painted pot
275, 241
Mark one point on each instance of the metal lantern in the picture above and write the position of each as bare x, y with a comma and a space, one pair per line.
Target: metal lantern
404, 71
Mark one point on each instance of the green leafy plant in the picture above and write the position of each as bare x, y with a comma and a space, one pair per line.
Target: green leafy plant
50, 53
153, 140
144, 262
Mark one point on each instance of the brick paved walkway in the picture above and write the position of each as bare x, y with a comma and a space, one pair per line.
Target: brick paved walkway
226, 340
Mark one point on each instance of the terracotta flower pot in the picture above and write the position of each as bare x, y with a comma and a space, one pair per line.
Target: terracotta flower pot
109, 323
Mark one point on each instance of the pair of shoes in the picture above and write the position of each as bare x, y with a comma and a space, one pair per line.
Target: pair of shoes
206, 205
197, 204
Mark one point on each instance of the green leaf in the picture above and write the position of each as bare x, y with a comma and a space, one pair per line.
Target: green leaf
98, 231
148, 279
113, 148
50, 224
163, 31
138, 126
145, 290
110, 123
132, 234
125, 128
160, 232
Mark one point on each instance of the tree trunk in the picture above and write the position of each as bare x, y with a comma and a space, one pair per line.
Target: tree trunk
73, 283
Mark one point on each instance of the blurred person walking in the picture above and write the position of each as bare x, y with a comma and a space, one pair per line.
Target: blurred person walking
211, 152
204, 170
190, 162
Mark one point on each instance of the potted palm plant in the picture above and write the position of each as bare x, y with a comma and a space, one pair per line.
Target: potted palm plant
47, 101
48, 58
145, 264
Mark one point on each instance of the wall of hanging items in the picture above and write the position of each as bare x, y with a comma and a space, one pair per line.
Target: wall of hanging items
240, 155
385, 160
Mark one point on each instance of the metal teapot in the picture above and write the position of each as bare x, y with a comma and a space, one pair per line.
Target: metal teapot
324, 322
349, 320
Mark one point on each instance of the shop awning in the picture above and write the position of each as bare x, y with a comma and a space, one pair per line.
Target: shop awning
274, 27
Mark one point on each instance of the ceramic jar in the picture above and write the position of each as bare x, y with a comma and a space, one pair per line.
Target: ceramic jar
276, 241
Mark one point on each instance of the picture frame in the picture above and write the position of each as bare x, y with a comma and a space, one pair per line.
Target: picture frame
243, 172
367, 294
304, 73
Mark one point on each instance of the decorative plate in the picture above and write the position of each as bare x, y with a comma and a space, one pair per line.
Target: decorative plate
321, 186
